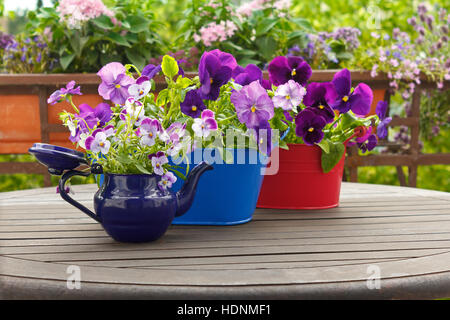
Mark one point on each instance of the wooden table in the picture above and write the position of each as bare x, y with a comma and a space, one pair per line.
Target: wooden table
382, 242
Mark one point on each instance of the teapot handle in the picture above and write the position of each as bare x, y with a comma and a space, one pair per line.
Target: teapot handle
62, 182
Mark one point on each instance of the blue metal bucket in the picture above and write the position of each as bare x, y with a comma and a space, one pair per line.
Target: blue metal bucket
226, 195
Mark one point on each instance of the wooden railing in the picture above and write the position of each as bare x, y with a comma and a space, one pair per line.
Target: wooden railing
43, 85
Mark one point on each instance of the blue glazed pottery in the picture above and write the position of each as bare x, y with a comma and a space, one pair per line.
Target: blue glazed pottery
228, 194
131, 208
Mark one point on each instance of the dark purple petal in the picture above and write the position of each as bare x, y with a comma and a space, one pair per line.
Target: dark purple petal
103, 113
382, 129
226, 59
279, 70
320, 93
361, 99
300, 70
193, 104
151, 70
381, 109
342, 83
247, 75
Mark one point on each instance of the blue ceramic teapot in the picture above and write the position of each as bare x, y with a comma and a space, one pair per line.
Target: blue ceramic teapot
130, 207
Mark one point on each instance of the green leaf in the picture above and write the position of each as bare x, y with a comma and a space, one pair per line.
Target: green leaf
324, 145
141, 168
103, 22
169, 66
162, 97
330, 159
267, 47
117, 38
135, 58
265, 26
138, 23
66, 60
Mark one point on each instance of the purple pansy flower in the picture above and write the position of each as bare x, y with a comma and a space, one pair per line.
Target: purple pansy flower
282, 69
263, 135
97, 142
192, 105
288, 95
97, 116
203, 126
151, 70
115, 83
381, 109
367, 142
148, 131
60, 95
214, 71
158, 161
358, 100
167, 180
141, 88
319, 96
253, 105
245, 76
309, 126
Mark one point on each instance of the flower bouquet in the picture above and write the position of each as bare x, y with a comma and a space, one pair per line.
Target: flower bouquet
215, 116
321, 119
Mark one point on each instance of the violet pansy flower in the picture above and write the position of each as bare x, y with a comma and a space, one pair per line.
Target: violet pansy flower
319, 96
141, 88
97, 116
98, 142
253, 105
381, 109
148, 131
151, 70
203, 126
214, 71
192, 105
245, 76
288, 95
158, 161
282, 69
358, 100
115, 83
167, 180
61, 94
309, 126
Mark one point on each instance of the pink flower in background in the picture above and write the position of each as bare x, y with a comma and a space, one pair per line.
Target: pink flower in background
74, 12
215, 32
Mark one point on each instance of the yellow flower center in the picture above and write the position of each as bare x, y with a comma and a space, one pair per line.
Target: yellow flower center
294, 72
150, 134
321, 107
211, 80
288, 97
345, 98
194, 108
141, 92
158, 165
311, 129
118, 86
164, 182
253, 109
101, 144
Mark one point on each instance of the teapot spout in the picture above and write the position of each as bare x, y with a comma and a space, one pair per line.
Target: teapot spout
185, 196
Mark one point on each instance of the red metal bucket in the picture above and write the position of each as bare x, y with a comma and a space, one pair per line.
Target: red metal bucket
300, 182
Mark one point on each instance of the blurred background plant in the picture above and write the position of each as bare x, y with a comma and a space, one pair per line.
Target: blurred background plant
253, 32
363, 34
85, 34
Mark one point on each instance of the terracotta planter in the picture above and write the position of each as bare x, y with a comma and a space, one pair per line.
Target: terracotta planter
378, 95
300, 182
21, 126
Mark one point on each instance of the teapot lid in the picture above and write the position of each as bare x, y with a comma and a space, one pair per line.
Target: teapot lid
57, 158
